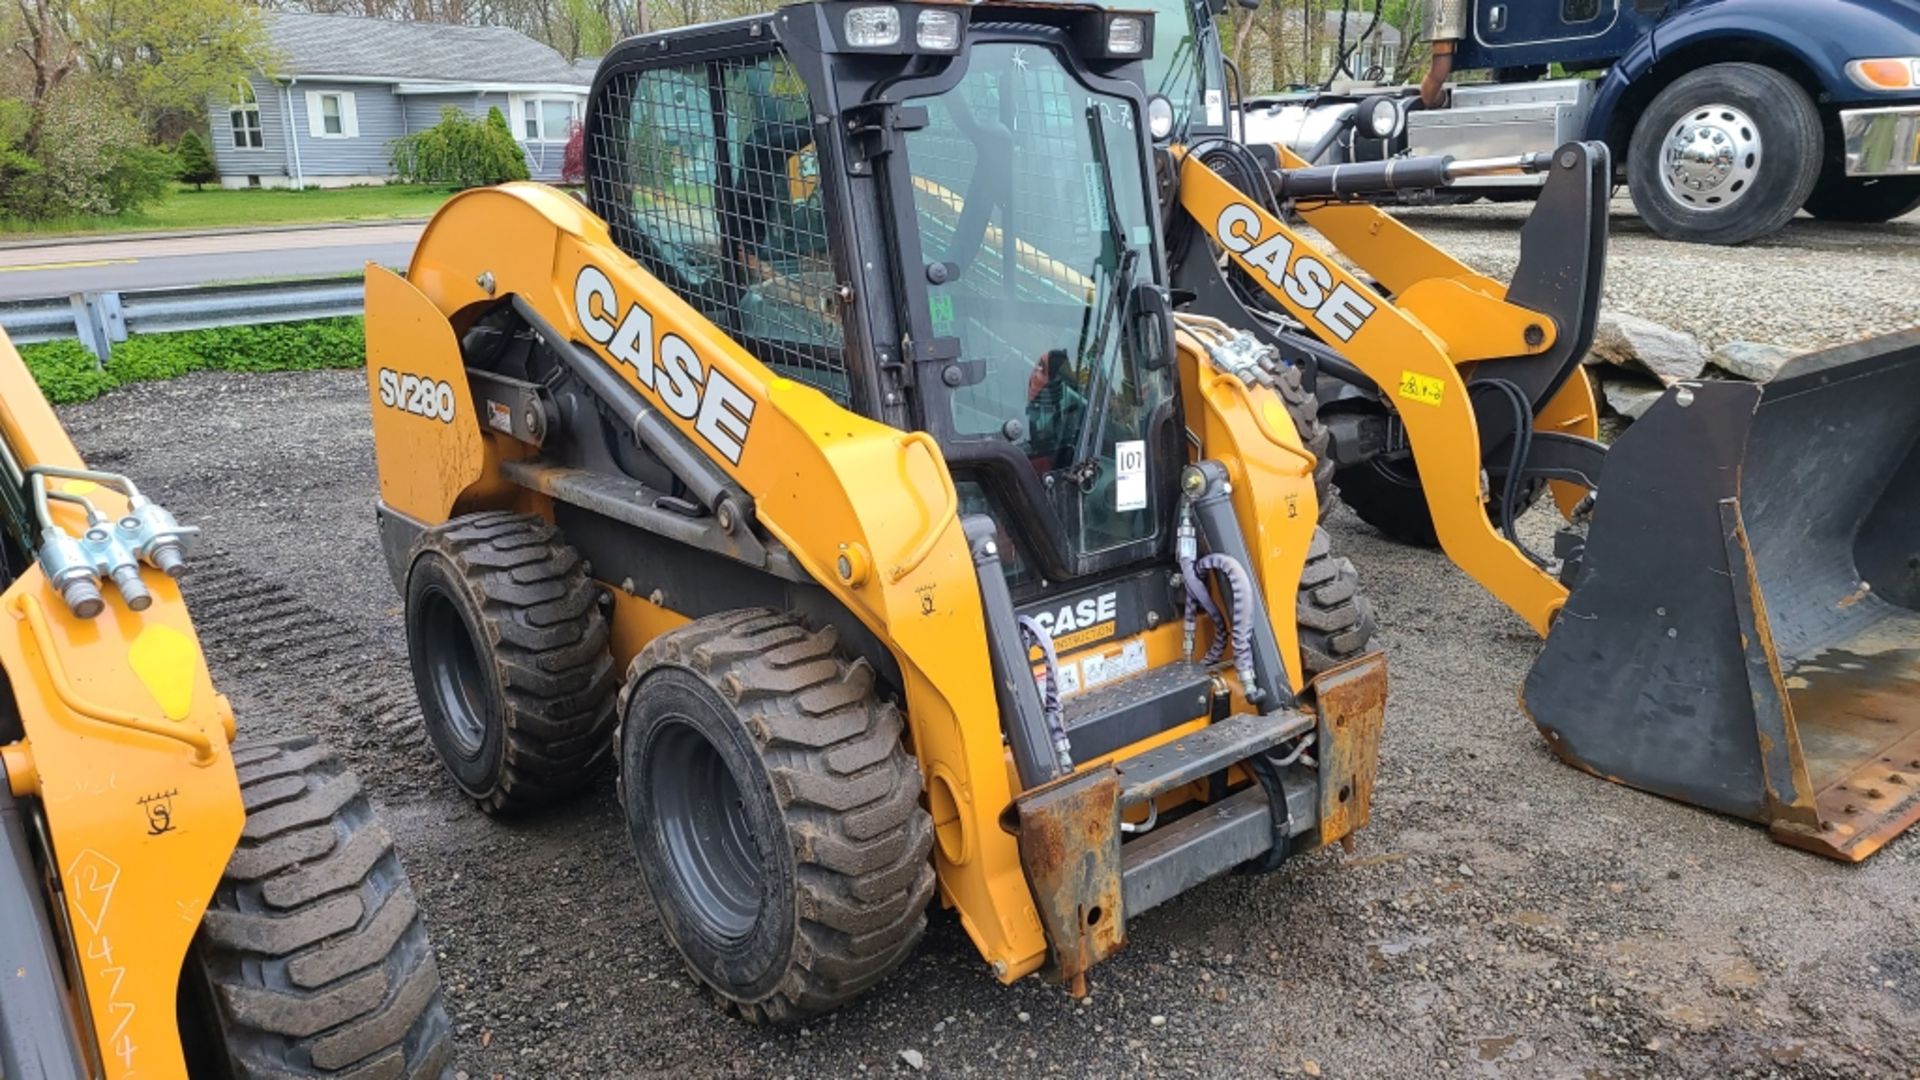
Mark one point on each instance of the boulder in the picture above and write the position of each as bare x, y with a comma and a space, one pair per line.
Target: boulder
1752, 360
1631, 397
1628, 341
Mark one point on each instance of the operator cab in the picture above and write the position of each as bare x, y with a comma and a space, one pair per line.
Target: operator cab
971, 250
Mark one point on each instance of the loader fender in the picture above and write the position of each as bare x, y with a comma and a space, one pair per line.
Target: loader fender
867, 511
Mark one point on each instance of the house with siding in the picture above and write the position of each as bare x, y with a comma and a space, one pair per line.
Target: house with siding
340, 89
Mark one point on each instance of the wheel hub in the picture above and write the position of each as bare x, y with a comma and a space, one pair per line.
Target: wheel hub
1711, 157
702, 819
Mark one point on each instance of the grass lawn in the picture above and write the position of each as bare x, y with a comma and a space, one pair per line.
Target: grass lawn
215, 207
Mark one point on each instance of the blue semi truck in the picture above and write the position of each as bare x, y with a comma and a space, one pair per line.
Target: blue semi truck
1724, 117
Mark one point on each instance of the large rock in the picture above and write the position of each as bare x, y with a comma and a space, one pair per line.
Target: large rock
1751, 360
1627, 341
1631, 397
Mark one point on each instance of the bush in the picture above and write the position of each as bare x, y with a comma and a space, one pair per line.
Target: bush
92, 158
196, 161
66, 372
460, 150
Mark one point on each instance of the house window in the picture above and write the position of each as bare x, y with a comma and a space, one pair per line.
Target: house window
547, 119
331, 115
243, 115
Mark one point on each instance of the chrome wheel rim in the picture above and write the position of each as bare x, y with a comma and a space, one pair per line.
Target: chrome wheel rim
1711, 157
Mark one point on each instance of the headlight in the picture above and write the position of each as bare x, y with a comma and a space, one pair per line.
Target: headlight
1889, 73
1159, 117
1126, 35
1378, 118
872, 27
937, 30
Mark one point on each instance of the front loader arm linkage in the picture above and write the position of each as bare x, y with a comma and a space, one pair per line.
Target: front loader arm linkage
1439, 327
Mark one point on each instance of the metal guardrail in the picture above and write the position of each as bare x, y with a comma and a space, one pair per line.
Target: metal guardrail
101, 319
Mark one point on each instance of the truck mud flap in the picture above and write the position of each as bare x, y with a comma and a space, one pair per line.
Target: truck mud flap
1743, 631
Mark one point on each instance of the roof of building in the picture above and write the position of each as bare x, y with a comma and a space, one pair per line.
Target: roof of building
344, 45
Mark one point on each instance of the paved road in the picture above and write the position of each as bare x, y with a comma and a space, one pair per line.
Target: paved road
195, 260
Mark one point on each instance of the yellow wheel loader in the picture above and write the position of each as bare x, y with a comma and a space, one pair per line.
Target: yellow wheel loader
841, 473
1732, 614
172, 902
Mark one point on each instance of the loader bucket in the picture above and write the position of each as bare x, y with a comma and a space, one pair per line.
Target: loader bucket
1743, 631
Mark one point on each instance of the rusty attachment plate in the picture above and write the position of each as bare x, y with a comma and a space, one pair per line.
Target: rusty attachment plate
1069, 833
1352, 703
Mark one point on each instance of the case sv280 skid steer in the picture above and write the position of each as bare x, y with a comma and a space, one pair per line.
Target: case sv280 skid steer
1733, 619
172, 902
853, 425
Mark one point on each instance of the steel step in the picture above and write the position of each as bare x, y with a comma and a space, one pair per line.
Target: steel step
1205, 752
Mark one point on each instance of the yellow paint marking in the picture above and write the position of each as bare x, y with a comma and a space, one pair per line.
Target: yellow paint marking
77, 265
164, 659
1425, 389
78, 487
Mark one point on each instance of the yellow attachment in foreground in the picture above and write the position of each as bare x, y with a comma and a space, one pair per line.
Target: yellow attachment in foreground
126, 740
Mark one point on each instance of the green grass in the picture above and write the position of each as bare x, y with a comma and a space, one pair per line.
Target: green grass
215, 207
66, 372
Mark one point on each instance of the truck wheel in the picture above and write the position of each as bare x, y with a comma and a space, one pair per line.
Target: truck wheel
1335, 621
311, 960
774, 812
1865, 199
1724, 155
510, 659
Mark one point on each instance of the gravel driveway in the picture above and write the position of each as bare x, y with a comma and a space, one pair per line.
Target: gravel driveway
1503, 916
1813, 285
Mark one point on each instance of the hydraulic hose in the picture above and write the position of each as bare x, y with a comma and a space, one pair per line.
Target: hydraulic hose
1240, 591
1033, 635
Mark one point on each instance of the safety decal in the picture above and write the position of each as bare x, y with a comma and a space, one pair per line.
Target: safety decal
1425, 389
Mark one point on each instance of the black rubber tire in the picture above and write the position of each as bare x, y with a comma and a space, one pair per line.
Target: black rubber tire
1791, 143
1865, 200
510, 659
312, 959
1335, 621
1304, 408
1390, 497
836, 847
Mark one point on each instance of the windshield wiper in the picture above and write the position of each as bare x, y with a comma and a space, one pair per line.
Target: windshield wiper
1113, 312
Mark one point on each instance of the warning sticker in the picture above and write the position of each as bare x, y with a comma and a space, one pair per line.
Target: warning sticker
1069, 678
1216, 109
1130, 475
1130, 660
1425, 389
499, 416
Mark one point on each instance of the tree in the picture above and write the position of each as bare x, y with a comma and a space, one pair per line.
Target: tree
196, 161
460, 150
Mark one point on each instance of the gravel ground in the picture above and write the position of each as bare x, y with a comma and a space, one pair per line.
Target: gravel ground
1813, 285
1503, 916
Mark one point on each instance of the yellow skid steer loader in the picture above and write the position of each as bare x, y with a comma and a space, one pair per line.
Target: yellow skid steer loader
841, 472
1732, 618
172, 902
